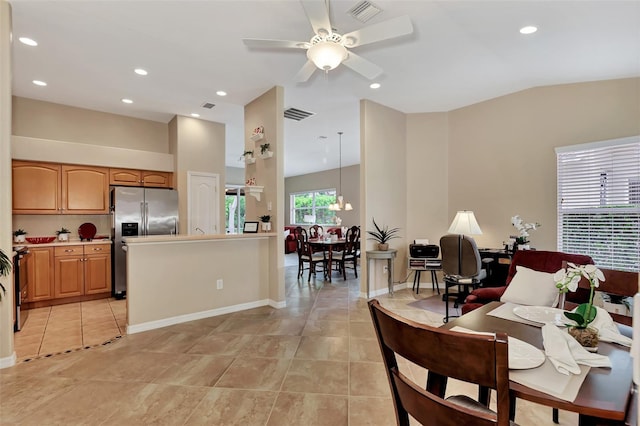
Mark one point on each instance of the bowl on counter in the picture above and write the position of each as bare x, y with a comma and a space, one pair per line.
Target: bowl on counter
40, 240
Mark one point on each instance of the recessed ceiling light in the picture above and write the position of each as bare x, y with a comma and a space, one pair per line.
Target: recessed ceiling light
530, 29
140, 71
39, 83
28, 41
221, 93
193, 114
127, 101
375, 85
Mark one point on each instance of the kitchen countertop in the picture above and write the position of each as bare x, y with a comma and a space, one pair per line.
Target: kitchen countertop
186, 238
56, 243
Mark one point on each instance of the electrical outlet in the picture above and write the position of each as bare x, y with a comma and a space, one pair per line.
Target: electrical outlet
219, 284
385, 269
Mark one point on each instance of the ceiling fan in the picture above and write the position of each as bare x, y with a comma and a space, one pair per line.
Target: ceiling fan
328, 49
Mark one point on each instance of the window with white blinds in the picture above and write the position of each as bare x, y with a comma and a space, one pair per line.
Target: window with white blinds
599, 202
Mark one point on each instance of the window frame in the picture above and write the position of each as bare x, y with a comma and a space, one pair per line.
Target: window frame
314, 208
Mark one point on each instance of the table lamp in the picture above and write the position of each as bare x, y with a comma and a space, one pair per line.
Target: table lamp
309, 218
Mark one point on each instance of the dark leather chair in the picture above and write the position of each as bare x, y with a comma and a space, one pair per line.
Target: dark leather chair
483, 360
538, 260
461, 266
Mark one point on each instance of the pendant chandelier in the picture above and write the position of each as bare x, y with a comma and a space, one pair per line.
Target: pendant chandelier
340, 203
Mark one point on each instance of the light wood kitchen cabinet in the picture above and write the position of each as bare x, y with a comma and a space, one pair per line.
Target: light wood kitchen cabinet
85, 190
40, 270
82, 270
47, 188
146, 178
36, 188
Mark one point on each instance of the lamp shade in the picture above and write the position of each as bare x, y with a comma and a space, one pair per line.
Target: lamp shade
309, 218
465, 223
327, 55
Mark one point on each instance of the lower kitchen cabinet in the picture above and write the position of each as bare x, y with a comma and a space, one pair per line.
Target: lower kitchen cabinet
82, 270
40, 271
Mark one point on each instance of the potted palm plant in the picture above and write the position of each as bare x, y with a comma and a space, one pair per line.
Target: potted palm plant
5, 269
382, 235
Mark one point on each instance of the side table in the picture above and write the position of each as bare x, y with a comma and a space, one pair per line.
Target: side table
390, 255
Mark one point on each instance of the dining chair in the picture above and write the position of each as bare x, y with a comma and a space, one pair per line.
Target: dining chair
461, 266
472, 358
348, 254
307, 256
316, 231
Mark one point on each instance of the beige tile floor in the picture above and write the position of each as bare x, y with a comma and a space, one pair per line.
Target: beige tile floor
68, 327
315, 362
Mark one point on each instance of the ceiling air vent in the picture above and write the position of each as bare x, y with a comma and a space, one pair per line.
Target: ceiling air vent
297, 114
208, 105
364, 11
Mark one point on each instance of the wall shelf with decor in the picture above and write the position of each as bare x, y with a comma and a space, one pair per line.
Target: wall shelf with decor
254, 190
257, 136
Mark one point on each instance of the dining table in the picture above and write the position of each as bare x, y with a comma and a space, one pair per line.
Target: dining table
327, 245
606, 396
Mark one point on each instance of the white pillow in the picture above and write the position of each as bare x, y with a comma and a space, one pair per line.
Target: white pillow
533, 288
286, 233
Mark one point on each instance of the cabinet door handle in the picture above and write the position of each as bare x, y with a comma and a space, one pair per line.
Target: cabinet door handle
97, 249
69, 250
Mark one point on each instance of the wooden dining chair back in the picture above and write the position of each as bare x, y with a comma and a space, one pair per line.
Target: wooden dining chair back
316, 231
306, 256
473, 358
347, 257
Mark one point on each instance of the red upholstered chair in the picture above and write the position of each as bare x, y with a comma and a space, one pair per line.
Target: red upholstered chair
538, 260
290, 241
336, 230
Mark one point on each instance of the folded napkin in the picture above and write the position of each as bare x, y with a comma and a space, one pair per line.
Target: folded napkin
607, 329
565, 353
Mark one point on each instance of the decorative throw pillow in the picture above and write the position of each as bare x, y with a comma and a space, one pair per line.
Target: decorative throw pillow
286, 233
533, 288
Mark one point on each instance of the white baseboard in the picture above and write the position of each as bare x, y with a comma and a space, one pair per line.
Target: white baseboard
152, 325
8, 361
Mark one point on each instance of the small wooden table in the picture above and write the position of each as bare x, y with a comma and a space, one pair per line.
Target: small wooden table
390, 255
605, 393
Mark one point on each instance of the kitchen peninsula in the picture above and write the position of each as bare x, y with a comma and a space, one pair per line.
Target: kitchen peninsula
174, 279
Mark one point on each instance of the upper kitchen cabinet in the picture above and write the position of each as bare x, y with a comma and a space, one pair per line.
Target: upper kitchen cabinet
46, 188
85, 190
146, 178
36, 188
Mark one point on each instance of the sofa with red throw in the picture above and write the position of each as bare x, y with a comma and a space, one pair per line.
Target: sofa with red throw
537, 260
290, 243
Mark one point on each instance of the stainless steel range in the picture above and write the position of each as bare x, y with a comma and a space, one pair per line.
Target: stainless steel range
20, 281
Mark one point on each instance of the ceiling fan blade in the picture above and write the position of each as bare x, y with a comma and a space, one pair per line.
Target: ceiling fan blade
384, 30
362, 66
318, 16
287, 44
305, 72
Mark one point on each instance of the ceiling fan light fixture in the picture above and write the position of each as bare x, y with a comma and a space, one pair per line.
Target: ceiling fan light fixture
327, 55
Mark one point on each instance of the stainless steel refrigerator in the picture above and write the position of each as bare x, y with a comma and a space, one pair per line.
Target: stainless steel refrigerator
138, 212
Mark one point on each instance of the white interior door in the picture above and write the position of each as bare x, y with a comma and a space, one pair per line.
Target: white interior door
204, 217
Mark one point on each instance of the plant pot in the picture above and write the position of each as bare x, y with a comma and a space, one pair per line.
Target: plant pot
266, 226
587, 337
19, 238
63, 237
383, 247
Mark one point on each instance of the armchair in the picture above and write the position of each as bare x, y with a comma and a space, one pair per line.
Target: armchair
290, 241
538, 260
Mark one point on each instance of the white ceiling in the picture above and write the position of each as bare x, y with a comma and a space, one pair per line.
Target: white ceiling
460, 53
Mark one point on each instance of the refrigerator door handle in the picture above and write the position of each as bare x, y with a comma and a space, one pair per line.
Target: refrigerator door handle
146, 218
142, 220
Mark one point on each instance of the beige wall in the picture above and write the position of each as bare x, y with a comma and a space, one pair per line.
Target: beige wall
7, 354
326, 180
267, 111
46, 120
162, 292
383, 137
501, 152
427, 166
197, 146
